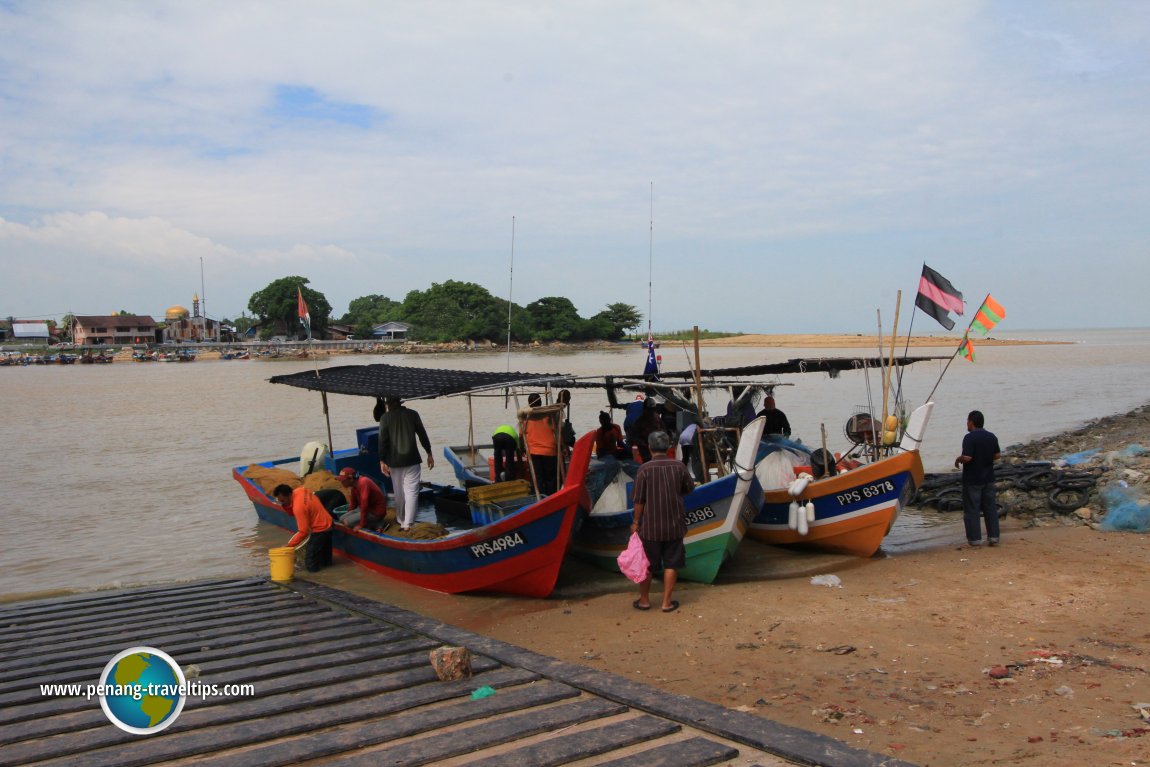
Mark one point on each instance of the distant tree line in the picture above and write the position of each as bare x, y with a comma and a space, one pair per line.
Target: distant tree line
449, 311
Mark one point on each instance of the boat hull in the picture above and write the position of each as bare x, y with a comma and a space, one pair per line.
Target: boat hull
853, 511
718, 514
519, 554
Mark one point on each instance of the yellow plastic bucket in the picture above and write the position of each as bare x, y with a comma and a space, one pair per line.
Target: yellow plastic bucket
282, 563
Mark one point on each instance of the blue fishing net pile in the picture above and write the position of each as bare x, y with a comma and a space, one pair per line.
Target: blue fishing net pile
1126, 510
774, 443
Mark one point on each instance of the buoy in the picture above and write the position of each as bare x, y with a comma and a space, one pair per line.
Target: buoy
891, 423
799, 485
312, 457
803, 523
889, 437
793, 515
809, 511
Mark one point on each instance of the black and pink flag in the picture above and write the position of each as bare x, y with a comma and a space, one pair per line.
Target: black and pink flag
937, 297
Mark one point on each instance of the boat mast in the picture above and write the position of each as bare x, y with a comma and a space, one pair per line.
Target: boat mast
510, 289
650, 263
203, 299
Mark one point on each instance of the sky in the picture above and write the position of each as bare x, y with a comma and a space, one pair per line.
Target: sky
761, 167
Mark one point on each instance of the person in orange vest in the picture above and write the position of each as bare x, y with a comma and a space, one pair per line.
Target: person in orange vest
539, 436
313, 524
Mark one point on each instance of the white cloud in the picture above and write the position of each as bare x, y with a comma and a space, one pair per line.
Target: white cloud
864, 138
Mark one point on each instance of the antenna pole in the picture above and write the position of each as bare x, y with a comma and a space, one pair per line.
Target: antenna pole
650, 261
203, 297
510, 289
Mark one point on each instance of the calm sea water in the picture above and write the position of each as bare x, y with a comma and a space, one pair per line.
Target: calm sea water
120, 474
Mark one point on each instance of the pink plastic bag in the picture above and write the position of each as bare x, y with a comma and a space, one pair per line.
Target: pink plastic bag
633, 560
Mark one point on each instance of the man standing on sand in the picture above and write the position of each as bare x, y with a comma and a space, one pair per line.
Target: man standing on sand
660, 518
399, 428
979, 452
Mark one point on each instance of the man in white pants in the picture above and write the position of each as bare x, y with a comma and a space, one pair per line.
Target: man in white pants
399, 428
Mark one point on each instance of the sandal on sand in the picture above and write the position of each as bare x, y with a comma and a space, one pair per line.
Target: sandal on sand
674, 606
638, 606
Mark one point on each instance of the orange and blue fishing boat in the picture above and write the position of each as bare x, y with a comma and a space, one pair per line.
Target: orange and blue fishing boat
851, 507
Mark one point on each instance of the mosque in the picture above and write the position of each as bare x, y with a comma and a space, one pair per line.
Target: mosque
182, 326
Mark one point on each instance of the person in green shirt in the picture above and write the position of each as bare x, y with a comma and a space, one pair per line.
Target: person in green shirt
507, 453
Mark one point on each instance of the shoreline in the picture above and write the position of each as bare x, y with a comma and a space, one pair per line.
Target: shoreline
323, 349
899, 659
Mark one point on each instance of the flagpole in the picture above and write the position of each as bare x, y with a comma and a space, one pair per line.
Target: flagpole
965, 340
510, 290
909, 335
940, 375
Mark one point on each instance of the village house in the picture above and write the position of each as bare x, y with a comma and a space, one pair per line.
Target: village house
113, 330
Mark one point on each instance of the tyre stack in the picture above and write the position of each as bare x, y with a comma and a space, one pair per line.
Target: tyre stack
1031, 488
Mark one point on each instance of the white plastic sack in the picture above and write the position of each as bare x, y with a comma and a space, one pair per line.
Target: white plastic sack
830, 581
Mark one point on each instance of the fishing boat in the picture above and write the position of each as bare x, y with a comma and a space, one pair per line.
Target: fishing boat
850, 511
718, 511
510, 546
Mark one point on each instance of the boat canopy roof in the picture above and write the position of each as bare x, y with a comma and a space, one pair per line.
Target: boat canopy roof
410, 382
382, 380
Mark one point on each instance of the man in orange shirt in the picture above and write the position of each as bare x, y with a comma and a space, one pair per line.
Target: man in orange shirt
542, 444
313, 523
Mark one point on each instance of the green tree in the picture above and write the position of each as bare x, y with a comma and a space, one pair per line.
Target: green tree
554, 318
241, 324
454, 311
599, 328
371, 310
278, 303
66, 323
623, 317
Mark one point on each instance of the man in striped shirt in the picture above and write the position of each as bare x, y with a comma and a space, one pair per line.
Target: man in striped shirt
660, 518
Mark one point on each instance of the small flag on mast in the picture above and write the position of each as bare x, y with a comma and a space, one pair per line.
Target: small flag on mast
987, 316
304, 315
937, 297
966, 348
651, 369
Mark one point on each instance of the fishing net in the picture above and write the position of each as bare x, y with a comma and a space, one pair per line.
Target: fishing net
1125, 510
267, 479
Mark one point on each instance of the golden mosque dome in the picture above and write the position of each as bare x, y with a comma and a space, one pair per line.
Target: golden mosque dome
176, 313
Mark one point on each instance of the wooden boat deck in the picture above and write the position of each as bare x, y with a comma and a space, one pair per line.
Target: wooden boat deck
340, 679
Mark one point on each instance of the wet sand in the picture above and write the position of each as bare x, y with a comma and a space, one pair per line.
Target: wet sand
899, 660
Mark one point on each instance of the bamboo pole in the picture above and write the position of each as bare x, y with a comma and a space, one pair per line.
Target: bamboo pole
472, 456
890, 368
700, 442
527, 451
327, 418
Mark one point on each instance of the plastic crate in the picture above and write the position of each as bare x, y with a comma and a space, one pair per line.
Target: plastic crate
499, 491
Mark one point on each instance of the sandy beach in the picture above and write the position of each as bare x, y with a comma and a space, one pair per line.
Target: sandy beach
1035, 652
851, 341
789, 340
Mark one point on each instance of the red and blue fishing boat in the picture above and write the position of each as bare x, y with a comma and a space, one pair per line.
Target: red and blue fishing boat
513, 547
